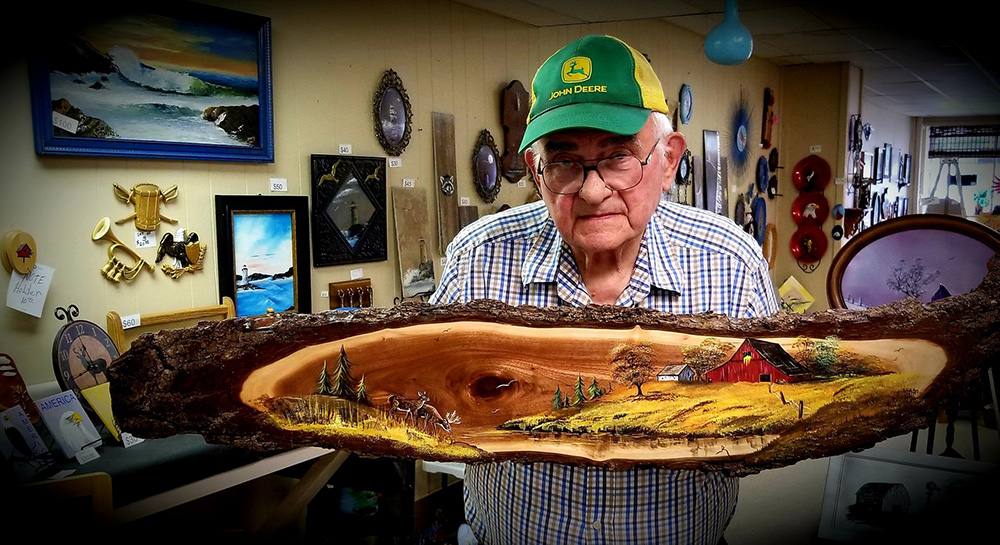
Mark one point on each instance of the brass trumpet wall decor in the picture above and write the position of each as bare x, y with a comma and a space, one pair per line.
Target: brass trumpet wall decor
115, 270
146, 198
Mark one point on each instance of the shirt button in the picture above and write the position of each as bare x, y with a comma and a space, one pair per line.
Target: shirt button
597, 525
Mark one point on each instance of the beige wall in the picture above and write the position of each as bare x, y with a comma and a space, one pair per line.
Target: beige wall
328, 58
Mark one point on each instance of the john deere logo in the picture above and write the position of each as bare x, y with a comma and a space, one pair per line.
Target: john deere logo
576, 70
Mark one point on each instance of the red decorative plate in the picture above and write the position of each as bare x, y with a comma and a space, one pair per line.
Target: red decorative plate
810, 209
811, 174
808, 244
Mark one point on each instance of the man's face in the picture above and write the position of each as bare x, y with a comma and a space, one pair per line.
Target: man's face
597, 219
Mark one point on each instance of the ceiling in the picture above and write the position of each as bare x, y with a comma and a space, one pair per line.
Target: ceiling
916, 62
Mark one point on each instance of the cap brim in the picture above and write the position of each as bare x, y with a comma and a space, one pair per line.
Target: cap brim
614, 118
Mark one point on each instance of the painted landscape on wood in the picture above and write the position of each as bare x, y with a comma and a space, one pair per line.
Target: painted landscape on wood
628, 394
597, 385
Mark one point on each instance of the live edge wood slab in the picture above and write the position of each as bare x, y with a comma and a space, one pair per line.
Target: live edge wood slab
479, 381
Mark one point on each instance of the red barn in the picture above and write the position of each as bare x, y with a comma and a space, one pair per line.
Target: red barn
759, 361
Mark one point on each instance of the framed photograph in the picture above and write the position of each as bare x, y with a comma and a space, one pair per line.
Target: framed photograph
349, 217
263, 249
927, 257
887, 161
393, 115
486, 167
888, 496
177, 80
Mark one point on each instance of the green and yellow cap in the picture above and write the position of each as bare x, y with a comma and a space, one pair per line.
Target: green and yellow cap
595, 82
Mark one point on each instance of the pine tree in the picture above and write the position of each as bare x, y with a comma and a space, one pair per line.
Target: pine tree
363, 392
557, 400
578, 397
342, 384
322, 385
594, 391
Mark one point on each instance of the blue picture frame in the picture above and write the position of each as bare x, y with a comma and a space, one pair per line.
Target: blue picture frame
97, 92
265, 263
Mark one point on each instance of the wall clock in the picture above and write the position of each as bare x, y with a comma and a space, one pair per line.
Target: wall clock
81, 352
687, 102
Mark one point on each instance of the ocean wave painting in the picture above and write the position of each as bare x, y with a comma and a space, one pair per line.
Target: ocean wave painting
264, 253
186, 77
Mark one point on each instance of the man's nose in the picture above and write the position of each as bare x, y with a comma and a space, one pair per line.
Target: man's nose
594, 189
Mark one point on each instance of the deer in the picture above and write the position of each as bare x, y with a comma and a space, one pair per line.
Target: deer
408, 406
432, 417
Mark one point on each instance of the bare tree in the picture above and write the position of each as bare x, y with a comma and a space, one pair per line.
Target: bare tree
632, 363
910, 280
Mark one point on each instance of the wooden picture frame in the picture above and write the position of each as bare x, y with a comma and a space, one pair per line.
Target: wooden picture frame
946, 256
713, 173
263, 246
199, 86
393, 114
349, 216
486, 167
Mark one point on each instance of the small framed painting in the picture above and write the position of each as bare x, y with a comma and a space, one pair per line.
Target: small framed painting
263, 246
486, 167
393, 114
175, 80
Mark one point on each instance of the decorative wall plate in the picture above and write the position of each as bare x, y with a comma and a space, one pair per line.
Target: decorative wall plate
762, 174
810, 209
393, 116
808, 244
686, 103
739, 144
811, 174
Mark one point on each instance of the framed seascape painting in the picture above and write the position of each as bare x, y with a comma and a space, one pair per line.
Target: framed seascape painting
264, 253
927, 257
349, 217
179, 80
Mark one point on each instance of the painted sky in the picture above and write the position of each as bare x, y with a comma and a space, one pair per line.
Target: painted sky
960, 260
263, 242
185, 46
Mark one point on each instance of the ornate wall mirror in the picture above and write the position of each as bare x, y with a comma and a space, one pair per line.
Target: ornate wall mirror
393, 116
486, 167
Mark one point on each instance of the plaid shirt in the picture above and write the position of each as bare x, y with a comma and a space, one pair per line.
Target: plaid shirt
689, 261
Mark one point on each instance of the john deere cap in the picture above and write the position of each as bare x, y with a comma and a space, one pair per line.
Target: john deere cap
595, 82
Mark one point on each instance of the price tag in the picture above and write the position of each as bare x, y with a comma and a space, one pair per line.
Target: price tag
128, 439
64, 122
144, 239
130, 321
815, 149
279, 184
522, 183
409, 182
356, 273
464, 201
345, 149
444, 261
88, 454
395, 162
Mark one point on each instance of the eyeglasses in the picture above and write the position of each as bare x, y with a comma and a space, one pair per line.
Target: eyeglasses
618, 172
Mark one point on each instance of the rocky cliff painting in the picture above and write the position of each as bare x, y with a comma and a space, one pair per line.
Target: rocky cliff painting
181, 73
597, 385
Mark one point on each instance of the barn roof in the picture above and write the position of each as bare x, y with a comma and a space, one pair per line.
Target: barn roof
774, 354
672, 369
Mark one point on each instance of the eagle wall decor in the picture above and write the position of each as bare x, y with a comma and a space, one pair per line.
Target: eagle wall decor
598, 385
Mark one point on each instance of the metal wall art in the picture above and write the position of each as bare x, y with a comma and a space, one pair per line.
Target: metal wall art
146, 199
188, 253
263, 246
486, 167
196, 84
393, 117
115, 269
349, 217
18, 251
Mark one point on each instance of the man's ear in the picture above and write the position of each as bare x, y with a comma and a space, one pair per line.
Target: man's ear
674, 144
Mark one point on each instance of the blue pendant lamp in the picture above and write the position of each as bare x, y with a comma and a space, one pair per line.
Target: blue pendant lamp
730, 42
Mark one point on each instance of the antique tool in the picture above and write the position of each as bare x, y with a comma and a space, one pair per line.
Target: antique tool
114, 269
146, 198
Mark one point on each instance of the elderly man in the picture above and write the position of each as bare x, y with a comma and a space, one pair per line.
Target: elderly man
602, 151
